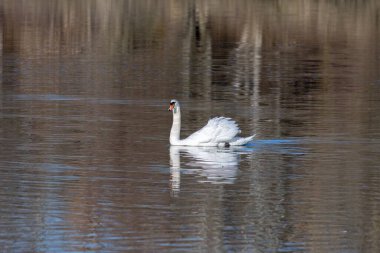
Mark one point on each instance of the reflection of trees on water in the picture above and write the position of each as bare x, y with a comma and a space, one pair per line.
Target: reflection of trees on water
215, 31
267, 57
229, 45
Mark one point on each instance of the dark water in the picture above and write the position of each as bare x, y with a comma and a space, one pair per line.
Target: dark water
85, 163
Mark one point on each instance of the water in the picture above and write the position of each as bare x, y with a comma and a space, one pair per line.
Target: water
85, 163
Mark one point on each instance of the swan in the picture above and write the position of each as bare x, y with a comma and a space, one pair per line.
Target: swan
219, 131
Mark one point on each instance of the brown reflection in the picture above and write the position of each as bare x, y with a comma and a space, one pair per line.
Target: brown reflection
85, 84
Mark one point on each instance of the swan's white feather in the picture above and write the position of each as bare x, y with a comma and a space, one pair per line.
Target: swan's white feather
218, 130
240, 141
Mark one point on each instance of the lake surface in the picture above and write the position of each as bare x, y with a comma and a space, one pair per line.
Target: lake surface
85, 160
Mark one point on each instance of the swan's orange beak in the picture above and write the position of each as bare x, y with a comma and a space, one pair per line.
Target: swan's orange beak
171, 107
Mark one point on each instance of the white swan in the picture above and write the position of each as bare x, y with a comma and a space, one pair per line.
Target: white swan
219, 131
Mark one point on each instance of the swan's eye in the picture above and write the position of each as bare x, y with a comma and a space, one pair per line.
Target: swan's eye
172, 103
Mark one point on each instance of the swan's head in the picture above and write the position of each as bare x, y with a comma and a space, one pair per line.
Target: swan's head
174, 105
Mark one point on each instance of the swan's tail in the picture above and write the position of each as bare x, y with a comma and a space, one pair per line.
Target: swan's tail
240, 141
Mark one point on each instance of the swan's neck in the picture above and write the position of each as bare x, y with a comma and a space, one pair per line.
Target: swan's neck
176, 127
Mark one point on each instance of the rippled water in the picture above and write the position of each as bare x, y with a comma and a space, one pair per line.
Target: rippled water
85, 162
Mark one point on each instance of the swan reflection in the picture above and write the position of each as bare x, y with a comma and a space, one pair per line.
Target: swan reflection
213, 165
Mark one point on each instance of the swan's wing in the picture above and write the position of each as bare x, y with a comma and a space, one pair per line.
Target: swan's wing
218, 129
240, 141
